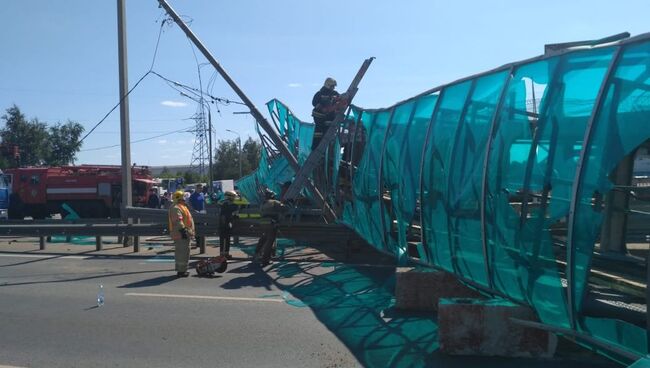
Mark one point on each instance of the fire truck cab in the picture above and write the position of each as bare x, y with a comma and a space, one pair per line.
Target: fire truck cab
92, 191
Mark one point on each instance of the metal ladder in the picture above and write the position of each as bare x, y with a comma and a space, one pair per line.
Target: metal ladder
316, 156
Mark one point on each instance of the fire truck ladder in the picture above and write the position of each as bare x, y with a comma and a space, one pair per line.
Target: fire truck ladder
316, 156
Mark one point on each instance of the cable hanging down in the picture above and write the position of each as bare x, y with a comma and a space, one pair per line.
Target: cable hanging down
173, 84
184, 130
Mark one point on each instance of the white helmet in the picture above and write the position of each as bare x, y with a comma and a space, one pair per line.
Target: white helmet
330, 83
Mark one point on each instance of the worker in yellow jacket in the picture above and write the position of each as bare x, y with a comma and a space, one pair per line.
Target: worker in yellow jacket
181, 229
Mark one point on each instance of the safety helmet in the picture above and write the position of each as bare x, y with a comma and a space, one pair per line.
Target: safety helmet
269, 194
230, 194
330, 83
178, 196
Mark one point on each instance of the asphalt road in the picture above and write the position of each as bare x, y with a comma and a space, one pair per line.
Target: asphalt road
310, 309
49, 317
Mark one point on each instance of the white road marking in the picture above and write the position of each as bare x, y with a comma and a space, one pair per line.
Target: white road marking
232, 298
10, 366
41, 256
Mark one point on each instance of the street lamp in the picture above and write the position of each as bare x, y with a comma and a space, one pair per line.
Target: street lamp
240, 152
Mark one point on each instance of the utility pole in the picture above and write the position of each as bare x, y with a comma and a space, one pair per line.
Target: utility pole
210, 173
125, 135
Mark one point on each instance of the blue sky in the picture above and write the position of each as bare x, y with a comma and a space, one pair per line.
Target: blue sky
59, 58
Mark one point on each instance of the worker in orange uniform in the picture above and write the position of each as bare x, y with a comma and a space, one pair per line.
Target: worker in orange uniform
181, 229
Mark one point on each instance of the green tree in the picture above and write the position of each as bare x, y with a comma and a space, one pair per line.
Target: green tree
63, 143
30, 136
190, 177
166, 173
226, 159
38, 144
252, 152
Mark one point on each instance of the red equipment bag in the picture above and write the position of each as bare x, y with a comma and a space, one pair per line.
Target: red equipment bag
208, 267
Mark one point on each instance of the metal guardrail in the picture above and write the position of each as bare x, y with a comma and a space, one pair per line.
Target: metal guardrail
153, 222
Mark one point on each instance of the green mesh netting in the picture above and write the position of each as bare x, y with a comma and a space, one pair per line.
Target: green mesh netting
478, 176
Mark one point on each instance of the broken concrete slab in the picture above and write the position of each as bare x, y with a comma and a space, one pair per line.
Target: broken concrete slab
483, 327
420, 289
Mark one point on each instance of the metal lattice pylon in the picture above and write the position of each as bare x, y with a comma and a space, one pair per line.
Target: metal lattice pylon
201, 152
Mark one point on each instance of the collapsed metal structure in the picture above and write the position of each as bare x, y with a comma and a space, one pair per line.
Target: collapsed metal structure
518, 180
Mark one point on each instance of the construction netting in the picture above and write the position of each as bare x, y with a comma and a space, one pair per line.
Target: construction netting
497, 178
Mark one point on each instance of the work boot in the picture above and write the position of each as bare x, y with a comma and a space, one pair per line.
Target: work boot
182, 274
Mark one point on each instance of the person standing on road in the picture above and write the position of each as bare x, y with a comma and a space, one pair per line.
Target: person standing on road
153, 201
271, 210
197, 200
181, 229
227, 213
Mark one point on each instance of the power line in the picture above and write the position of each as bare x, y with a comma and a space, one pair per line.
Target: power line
195, 91
185, 130
155, 53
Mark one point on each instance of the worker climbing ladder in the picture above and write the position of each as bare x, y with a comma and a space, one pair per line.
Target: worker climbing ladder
316, 156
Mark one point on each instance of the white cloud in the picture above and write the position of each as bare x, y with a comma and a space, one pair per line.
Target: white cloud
162, 141
294, 85
173, 103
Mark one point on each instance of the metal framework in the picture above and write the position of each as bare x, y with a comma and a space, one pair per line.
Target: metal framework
511, 68
201, 153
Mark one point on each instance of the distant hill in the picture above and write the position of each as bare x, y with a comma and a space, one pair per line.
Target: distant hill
156, 170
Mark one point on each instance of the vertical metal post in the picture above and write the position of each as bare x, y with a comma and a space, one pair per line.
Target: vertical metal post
380, 184
125, 136
210, 174
98, 243
613, 236
486, 161
584, 154
201, 244
240, 156
423, 237
41, 243
136, 240
647, 300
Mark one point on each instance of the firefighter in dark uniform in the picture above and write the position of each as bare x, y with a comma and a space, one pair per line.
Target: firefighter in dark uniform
271, 210
324, 101
227, 210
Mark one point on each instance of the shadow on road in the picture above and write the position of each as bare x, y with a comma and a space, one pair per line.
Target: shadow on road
156, 281
95, 276
256, 278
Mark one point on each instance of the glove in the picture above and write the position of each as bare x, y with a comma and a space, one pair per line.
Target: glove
183, 232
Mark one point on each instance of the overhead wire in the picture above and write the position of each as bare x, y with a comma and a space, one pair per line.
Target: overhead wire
184, 130
179, 87
155, 53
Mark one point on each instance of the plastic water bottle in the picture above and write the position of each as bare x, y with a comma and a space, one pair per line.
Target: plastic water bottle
100, 296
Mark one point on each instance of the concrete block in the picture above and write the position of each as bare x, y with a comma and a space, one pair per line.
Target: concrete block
419, 289
483, 327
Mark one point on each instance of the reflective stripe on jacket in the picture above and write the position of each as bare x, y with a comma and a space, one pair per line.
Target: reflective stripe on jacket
180, 218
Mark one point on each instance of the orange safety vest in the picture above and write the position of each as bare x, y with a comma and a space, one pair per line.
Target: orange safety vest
180, 218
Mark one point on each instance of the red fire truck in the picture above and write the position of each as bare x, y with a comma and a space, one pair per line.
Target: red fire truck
93, 191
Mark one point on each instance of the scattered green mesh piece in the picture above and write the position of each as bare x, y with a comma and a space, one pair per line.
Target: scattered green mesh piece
357, 306
75, 240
